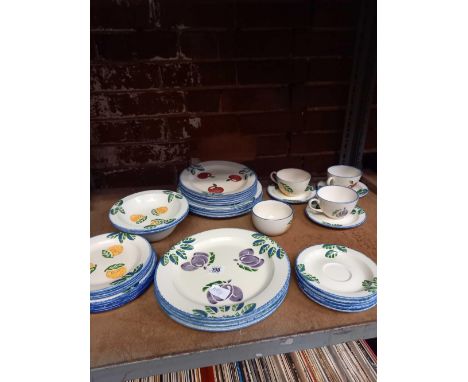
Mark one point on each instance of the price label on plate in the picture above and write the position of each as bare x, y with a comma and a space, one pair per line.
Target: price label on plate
215, 269
219, 292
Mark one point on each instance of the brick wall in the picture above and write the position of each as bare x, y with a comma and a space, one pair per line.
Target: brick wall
261, 82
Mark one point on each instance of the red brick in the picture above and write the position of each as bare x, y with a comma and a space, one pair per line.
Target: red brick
123, 77
216, 73
328, 13
322, 69
317, 164
182, 128
172, 12
202, 100
371, 139
272, 144
218, 123
120, 14
263, 166
136, 45
128, 131
273, 43
254, 99
270, 122
179, 74
325, 120
274, 13
211, 13
304, 96
128, 155
141, 103
307, 143
136, 176
264, 72
310, 42
199, 44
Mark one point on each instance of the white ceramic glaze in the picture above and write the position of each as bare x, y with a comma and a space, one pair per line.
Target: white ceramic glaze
341, 175
148, 212
238, 267
291, 181
360, 188
335, 201
356, 218
157, 236
299, 199
272, 217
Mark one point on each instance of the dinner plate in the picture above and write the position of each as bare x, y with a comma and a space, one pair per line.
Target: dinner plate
218, 178
149, 211
361, 189
338, 270
299, 199
356, 218
218, 201
116, 261
222, 268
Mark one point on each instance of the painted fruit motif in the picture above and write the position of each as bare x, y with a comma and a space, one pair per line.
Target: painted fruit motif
340, 213
116, 249
205, 175
214, 189
234, 178
162, 210
115, 271
199, 260
92, 267
235, 294
137, 218
246, 257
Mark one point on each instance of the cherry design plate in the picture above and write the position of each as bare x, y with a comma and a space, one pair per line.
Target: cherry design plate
338, 270
223, 272
218, 178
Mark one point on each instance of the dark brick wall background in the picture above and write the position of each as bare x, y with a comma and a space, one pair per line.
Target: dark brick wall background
260, 82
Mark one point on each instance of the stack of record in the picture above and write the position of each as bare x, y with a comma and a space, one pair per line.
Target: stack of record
222, 279
219, 189
337, 277
122, 267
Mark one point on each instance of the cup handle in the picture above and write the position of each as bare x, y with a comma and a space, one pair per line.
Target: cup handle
273, 177
309, 204
330, 181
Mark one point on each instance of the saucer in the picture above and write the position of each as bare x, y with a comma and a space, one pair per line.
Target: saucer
299, 199
360, 188
354, 219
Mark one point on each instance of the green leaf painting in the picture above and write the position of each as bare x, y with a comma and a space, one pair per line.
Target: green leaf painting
121, 236
92, 268
212, 258
331, 254
370, 285
114, 266
117, 207
246, 268
236, 307
128, 275
267, 245
174, 258
357, 211
106, 254
287, 188
264, 248
179, 250
211, 309
341, 248
301, 269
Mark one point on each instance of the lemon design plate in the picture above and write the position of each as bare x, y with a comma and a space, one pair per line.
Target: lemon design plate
117, 260
149, 211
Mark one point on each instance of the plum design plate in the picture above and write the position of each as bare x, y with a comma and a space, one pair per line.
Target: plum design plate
356, 218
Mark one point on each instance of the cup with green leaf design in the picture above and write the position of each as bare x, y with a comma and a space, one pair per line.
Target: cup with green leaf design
334, 201
341, 175
291, 181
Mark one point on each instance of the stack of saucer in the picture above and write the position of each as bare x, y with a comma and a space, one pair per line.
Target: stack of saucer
122, 266
222, 279
337, 277
219, 189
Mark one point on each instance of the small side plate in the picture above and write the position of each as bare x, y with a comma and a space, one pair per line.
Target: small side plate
354, 219
300, 199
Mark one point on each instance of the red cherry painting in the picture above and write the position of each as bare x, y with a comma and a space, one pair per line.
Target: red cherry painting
234, 178
214, 189
204, 175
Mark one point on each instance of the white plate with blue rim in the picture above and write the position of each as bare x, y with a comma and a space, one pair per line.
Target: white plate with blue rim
222, 268
361, 189
218, 178
338, 270
354, 219
275, 193
117, 261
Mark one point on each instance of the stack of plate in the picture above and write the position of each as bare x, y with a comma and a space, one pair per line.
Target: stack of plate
222, 279
337, 277
219, 189
122, 267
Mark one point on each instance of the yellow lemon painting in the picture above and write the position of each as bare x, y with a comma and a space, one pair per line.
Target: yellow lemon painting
92, 267
116, 249
161, 210
138, 218
116, 271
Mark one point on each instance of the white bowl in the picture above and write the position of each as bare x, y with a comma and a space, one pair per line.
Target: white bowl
152, 214
272, 217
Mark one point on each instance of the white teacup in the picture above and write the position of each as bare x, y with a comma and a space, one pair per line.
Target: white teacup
272, 217
342, 175
335, 201
291, 181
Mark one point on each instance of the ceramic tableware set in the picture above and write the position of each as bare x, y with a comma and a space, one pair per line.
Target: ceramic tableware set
222, 279
337, 277
122, 266
220, 189
291, 185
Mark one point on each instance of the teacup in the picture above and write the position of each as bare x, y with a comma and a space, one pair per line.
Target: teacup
291, 181
272, 217
335, 201
341, 175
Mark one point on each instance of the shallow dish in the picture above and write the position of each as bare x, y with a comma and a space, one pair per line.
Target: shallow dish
153, 214
299, 199
272, 217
